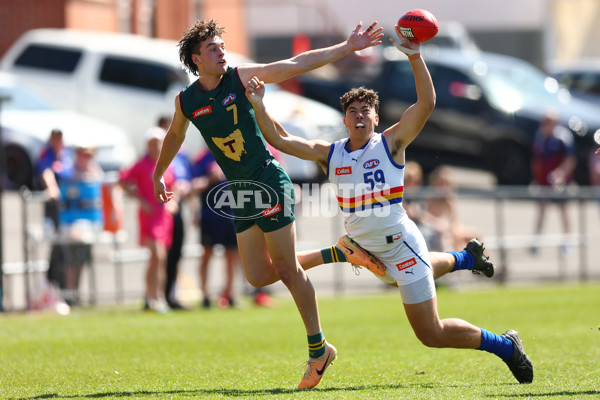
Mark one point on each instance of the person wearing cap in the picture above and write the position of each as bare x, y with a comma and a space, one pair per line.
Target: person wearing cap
155, 218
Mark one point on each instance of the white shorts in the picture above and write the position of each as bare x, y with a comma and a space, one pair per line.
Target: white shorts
404, 253
419, 291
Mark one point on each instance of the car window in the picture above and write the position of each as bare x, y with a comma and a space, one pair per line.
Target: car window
455, 90
587, 82
512, 86
403, 82
140, 74
50, 58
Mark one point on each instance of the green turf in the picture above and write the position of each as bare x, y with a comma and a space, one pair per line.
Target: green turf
255, 352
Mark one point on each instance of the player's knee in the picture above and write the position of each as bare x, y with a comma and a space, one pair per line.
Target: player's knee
260, 280
428, 338
287, 273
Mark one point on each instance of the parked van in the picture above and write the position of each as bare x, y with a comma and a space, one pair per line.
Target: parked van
132, 80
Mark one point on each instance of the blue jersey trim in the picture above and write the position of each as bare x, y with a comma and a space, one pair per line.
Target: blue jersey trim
389, 154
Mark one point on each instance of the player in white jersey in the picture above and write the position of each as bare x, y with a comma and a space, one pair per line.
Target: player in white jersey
367, 169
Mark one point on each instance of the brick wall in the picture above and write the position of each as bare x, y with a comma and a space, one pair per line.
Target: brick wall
168, 20
18, 16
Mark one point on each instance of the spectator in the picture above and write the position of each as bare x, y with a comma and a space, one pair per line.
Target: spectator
413, 181
80, 219
182, 171
215, 229
56, 163
155, 218
553, 163
441, 217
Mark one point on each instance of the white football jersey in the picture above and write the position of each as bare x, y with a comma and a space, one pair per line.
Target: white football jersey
370, 186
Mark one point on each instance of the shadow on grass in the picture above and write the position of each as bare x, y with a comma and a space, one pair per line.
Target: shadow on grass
551, 394
206, 392
279, 391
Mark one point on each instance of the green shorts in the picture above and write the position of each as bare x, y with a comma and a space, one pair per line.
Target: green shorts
267, 202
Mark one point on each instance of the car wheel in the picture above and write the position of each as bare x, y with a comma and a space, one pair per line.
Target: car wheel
19, 169
510, 162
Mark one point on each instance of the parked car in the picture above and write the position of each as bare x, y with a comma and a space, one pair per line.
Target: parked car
581, 78
488, 109
132, 80
26, 120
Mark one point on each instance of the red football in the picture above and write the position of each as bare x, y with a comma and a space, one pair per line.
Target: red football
418, 25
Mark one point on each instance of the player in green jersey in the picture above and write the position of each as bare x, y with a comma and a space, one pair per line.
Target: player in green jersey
216, 104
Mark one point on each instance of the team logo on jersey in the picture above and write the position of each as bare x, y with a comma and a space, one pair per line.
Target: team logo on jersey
371, 164
232, 146
406, 264
343, 171
202, 111
230, 98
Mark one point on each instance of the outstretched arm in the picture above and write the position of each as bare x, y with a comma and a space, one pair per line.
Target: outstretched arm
277, 136
281, 70
170, 147
401, 134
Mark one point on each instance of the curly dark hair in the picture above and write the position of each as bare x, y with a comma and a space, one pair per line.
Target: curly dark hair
193, 37
362, 94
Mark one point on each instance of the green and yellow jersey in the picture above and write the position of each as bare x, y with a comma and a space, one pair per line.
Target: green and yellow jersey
226, 120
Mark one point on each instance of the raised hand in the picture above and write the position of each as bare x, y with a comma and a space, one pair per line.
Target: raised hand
406, 46
369, 37
255, 90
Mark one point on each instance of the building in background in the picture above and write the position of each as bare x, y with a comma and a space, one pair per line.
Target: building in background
166, 19
538, 31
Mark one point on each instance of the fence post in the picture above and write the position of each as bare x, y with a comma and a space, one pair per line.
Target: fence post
499, 213
25, 198
583, 265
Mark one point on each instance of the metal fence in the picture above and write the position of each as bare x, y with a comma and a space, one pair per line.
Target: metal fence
503, 214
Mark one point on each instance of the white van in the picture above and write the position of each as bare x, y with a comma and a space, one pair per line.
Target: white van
132, 80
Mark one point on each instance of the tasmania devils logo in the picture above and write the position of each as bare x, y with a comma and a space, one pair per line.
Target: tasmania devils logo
202, 111
343, 171
371, 164
272, 210
406, 264
229, 99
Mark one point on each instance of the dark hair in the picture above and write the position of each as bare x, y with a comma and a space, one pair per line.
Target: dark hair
193, 37
361, 94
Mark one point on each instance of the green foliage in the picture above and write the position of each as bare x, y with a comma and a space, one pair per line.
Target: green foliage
255, 352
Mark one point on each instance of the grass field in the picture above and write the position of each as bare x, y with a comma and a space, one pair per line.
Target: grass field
255, 352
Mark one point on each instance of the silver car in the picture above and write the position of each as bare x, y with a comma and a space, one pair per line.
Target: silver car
26, 120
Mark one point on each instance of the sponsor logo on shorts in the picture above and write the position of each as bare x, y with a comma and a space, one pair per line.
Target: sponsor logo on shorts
272, 210
202, 111
371, 164
343, 171
229, 99
406, 264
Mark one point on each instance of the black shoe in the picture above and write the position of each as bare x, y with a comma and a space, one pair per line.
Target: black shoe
519, 363
483, 265
175, 305
206, 303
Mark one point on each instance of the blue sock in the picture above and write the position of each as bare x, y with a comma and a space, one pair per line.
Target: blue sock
496, 344
464, 260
